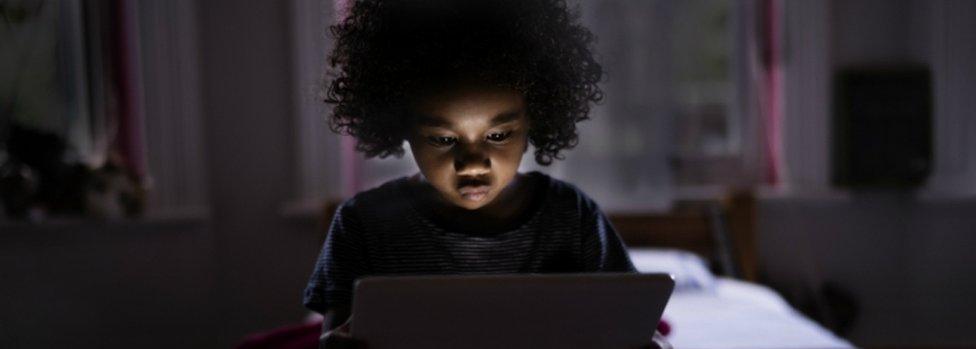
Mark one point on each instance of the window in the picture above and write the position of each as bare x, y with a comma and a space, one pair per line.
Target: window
707, 131
670, 120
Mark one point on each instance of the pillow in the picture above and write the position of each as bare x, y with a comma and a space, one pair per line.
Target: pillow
690, 271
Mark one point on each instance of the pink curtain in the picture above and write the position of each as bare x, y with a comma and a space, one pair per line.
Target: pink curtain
350, 161
125, 39
771, 96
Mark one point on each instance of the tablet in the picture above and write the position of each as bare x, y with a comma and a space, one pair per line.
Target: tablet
510, 311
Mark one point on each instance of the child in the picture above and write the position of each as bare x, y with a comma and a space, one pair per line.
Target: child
469, 85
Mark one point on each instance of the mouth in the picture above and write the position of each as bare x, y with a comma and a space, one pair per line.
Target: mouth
473, 190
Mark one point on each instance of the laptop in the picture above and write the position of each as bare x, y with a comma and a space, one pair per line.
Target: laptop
510, 311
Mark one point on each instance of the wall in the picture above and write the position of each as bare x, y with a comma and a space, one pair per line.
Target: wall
904, 256
263, 257
908, 264
93, 285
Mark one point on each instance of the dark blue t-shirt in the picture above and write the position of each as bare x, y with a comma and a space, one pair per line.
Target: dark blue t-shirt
385, 231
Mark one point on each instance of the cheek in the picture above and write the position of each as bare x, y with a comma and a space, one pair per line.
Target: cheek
509, 157
435, 164
505, 160
432, 159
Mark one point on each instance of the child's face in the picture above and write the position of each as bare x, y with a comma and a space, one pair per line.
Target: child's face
468, 141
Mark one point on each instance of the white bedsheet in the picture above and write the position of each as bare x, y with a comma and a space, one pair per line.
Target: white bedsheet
708, 312
737, 314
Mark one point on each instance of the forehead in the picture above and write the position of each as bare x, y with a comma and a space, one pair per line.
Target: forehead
468, 104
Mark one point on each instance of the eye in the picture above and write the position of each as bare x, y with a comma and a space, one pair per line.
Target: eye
442, 141
499, 136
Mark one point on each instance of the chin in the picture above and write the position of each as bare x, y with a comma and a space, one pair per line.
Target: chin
469, 205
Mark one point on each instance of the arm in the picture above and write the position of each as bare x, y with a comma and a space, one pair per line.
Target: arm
334, 318
335, 334
602, 248
342, 261
604, 251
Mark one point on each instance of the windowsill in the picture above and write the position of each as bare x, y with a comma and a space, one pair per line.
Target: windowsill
302, 209
307, 211
700, 192
780, 192
832, 194
184, 217
310, 210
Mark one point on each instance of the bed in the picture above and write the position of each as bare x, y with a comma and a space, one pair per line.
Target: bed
708, 311
709, 247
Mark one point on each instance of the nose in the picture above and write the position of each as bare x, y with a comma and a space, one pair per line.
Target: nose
471, 161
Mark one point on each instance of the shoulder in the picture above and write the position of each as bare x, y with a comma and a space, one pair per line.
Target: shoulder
565, 196
380, 204
383, 200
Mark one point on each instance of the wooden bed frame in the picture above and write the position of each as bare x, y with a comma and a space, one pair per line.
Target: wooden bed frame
722, 231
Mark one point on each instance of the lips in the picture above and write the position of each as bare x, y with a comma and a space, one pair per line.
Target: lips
474, 192
473, 189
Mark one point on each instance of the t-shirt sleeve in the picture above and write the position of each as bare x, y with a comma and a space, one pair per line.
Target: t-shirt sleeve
603, 250
340, 263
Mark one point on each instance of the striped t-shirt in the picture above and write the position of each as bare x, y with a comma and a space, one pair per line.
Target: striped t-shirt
385, 231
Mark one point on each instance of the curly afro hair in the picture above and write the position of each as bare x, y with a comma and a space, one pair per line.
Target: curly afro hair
388, 52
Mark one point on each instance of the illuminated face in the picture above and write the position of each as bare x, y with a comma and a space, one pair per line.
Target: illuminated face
468, 142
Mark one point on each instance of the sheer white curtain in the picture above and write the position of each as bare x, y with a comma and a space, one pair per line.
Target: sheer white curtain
626, 155
622, 158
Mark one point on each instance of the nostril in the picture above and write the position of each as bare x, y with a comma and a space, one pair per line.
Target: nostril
473, 181
475, 167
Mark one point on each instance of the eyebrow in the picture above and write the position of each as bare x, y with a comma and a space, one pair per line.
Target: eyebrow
505, 117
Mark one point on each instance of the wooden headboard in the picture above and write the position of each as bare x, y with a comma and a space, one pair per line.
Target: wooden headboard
721, 231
